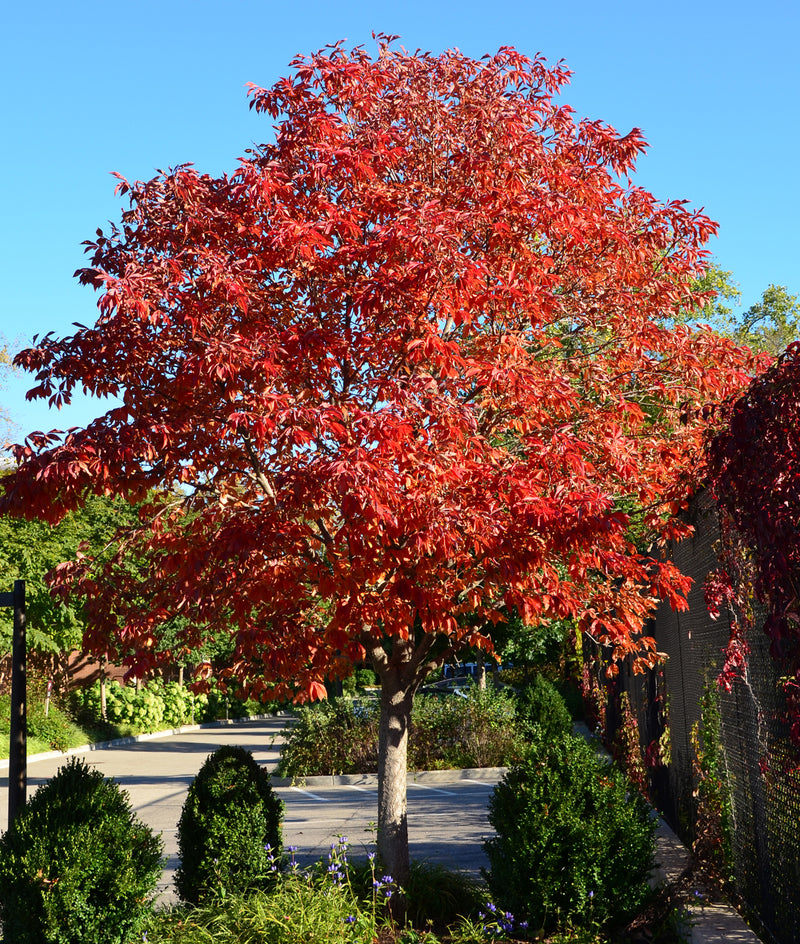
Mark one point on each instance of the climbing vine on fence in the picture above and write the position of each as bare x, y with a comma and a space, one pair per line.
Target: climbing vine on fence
754, 469
712, 841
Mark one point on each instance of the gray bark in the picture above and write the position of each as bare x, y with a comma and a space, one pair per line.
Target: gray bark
481, 671
400, 673
396, 704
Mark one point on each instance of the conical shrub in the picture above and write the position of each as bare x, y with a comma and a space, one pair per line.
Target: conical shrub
229, 833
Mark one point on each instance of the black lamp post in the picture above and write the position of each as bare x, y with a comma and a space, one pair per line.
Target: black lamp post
18, 748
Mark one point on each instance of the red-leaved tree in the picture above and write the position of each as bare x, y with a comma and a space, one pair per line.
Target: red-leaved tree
399, 368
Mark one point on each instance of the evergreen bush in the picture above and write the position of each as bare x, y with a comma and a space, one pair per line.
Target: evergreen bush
542, 711
76, 865
574, 845
229, 833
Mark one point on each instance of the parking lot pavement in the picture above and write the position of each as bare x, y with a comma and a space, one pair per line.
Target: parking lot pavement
446, 820
446, 809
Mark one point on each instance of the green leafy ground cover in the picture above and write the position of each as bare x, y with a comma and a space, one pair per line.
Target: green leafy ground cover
343, 902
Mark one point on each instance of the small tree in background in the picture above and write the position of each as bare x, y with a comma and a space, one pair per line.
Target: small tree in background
396, 370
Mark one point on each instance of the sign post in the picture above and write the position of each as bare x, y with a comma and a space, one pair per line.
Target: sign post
18, 748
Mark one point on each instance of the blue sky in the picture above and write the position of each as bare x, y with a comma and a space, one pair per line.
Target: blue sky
90, 88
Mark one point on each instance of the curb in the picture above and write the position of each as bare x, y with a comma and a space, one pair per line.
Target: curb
136, 738
487, 774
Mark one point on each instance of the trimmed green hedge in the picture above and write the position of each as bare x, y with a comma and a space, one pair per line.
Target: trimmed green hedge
574, 843
229, 833
77, 866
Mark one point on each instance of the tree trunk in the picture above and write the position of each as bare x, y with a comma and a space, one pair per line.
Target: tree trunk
396, 702
481, 673
400, 671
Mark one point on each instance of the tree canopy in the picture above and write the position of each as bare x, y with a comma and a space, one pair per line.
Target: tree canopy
402, 365
29, 550
768, 326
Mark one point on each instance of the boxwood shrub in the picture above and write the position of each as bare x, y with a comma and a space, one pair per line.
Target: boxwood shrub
229, 833
574, 843
76, 865
542, 712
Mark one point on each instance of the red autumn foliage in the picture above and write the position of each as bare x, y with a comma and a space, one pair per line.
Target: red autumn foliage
400, 367
753, 470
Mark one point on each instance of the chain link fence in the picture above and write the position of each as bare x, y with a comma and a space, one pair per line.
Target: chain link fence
757, 767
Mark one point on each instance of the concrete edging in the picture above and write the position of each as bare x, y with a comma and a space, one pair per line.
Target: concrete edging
489, 774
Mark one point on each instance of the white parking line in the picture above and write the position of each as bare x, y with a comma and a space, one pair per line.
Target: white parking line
484, 783
423, 786
308, 793
353, 786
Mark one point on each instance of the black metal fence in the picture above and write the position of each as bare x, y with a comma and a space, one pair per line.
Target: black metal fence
757, 764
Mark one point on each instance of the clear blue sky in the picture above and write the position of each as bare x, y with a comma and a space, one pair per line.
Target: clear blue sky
90, 88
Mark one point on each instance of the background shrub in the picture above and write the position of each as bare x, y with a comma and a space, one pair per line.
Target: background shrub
474, 731
365, 677
54, 731
573, 845
341, 736
76, 864
541, 710
157, 705
331, 737
230, 828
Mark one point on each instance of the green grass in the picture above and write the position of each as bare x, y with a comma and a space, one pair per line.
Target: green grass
55, 731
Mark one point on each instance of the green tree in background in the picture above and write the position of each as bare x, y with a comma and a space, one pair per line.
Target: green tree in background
30, 549
773, 323
768, 326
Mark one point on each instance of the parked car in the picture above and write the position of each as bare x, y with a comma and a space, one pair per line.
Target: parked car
450, 686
